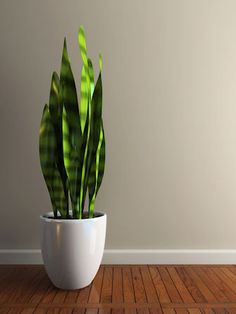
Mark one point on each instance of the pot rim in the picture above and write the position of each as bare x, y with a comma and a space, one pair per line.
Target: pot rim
64, 220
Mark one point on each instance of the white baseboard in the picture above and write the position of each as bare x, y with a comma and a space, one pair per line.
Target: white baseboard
134, 257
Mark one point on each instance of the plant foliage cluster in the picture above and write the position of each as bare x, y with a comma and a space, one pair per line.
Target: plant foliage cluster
71, 140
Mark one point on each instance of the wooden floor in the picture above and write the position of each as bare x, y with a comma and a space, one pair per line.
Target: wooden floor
123, 289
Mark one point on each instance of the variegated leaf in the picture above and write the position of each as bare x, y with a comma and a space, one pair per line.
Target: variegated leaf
48, 160
96, 171
69, 99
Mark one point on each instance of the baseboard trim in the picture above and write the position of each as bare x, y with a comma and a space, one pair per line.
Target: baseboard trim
133, 256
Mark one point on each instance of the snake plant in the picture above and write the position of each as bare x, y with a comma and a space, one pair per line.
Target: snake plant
71, 139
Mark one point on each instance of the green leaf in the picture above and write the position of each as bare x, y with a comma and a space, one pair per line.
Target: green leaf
48, 159
55, 108
83, 46
69, 99
88, 73
88, 67
86, 85
98, 144
89, 141
59, 197
91, 77
73, 160
100, 161
96, 171
100, 62
97, 110
83, 99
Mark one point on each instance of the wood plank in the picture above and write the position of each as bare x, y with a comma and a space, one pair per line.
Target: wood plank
41, 290
181, 311
128, 285
148, 285
170, 287
79, 310
14, 310
207, 311
53, 310
206, 292
71, 296
91, 311
22, 287
183, 291
106, 293
194, 311
28, 311
31, 288
104, 311
8, 311
49, 296
139, 291
117, 311
66, 311
199, 305
130, 311
159, 285
219, 310
12, 285
39, 311
229, 273
222, 286
155, 310
169, 311
232, 268
142, 311
59, 296
117, 287
83, 296
219, 295
231, 310
225, 279
188, 282
96, 288
7, 280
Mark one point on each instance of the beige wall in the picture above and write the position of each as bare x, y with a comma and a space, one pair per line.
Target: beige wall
169, 111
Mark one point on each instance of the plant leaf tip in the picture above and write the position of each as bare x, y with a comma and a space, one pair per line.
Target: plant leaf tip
100, 61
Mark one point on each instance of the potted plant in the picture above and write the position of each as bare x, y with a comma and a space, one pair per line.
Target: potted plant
72, 157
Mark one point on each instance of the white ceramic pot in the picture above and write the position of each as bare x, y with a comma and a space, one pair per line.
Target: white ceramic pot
72, 249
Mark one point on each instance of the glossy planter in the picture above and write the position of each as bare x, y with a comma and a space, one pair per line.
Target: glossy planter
72, 249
